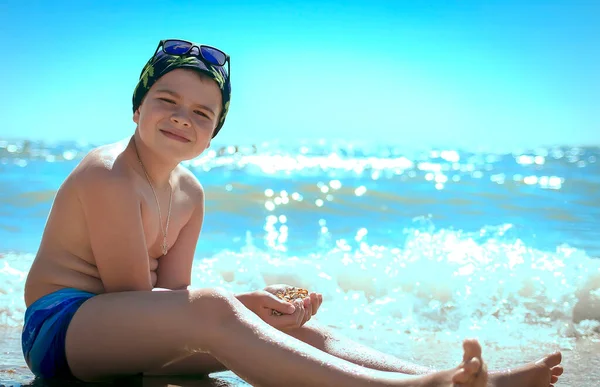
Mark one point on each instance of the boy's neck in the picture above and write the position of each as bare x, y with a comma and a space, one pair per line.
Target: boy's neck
158, 169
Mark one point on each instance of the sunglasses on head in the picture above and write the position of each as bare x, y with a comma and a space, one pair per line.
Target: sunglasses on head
209, 54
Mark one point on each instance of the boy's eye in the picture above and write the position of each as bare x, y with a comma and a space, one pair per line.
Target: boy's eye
201, 113
167, 100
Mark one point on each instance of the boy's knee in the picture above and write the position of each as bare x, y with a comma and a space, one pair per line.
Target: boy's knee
213, 304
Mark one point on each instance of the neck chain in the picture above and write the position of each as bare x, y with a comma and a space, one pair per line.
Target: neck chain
166, 229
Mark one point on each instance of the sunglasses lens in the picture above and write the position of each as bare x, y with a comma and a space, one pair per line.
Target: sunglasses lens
176, 47
213, 55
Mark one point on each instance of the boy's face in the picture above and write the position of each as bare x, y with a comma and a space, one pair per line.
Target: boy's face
179, 114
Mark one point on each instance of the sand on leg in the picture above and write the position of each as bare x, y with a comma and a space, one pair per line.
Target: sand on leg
540, 373
315, 335
129, 333
535, 374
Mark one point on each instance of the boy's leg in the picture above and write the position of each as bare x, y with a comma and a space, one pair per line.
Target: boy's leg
539, 373
340, 346
532, 374
318, 337
134, 332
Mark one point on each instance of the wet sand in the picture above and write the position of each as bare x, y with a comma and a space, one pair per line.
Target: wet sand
581, 362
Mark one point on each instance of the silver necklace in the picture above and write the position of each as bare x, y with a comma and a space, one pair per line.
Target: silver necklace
166, 229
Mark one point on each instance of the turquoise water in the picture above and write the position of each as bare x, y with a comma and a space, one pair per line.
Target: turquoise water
412, 250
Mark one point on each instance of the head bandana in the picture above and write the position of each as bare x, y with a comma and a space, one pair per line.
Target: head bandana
162, 63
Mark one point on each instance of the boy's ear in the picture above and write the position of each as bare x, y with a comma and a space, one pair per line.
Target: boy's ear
136, 116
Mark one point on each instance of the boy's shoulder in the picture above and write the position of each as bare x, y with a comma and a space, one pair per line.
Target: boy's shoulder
189, 184
102, 166
105, 168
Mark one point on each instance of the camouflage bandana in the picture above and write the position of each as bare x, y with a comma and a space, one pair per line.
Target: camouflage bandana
162, 63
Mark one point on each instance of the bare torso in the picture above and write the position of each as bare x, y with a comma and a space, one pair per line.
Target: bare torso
65, 258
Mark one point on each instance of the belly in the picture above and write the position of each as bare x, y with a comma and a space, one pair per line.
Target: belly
52, 272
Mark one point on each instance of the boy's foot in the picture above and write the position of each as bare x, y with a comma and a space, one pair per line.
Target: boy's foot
472, 372
542, 373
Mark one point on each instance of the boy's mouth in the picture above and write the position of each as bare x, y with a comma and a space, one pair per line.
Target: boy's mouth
174, 136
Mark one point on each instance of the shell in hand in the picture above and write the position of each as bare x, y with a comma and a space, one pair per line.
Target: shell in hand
291, 294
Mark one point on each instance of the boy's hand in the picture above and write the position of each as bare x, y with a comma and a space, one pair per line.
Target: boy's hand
262, 303
311, 303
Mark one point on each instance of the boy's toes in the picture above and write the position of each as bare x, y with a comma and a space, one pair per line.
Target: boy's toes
551, 360
471, 364
558, 370
471, 349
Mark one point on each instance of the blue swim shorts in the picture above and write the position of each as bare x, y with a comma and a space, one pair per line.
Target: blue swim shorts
45, 329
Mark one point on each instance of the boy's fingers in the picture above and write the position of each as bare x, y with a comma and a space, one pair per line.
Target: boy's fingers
307, 310
287, 320
300, 311
298, 318
273, 302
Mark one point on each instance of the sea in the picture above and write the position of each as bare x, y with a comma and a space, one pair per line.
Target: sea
412, 249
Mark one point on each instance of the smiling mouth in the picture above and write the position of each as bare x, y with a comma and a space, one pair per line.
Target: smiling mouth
174, 136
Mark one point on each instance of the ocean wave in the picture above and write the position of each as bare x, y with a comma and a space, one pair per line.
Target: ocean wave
438, 282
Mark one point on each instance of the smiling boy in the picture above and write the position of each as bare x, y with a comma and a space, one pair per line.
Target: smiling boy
126, 222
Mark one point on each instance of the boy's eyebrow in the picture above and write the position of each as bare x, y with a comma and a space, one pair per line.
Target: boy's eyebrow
174, 94
168, 92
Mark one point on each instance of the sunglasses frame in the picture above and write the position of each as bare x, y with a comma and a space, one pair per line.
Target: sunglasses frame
199, 56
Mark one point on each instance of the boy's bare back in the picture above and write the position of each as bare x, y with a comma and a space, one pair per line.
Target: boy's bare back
108, 195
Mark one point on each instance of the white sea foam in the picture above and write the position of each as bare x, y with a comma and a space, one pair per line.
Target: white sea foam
443, 284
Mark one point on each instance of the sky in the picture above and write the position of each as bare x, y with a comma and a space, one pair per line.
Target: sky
460, 73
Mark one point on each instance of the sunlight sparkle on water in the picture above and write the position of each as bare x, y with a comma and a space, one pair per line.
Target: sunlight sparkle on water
381, 162
360, 190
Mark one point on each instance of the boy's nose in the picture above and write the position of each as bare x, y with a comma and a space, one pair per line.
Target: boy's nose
180, 119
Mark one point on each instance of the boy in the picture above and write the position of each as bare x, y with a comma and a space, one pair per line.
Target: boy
125, 224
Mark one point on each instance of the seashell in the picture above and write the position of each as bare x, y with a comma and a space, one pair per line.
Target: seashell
289, 295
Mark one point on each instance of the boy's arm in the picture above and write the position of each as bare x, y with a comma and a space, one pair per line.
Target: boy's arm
175, 269
114, 221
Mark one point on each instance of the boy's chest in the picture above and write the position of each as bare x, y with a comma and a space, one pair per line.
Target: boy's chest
159, 219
